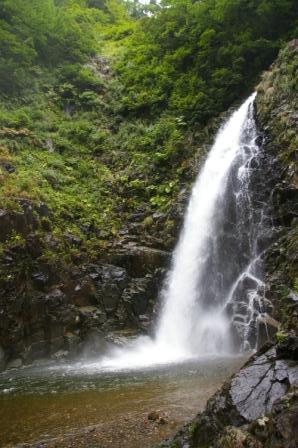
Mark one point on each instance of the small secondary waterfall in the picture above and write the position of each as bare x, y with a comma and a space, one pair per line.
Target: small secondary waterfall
212, 295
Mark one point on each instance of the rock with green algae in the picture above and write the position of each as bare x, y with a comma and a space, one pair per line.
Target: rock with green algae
277, 105
276, 114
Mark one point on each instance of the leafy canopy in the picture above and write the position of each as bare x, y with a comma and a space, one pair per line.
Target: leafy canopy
196, 57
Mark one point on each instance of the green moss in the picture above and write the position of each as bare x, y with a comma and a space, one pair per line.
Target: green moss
193, 427
278, 100
281, 336
148, 221
276, 109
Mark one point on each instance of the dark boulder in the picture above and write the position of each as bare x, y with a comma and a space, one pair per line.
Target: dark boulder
288, 347
110, 285
140, 260
233, 411
22, 222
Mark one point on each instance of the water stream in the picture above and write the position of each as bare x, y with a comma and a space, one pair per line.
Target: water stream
212, 295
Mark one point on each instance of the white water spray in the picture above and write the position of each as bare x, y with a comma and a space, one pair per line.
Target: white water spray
205, 269
185, 322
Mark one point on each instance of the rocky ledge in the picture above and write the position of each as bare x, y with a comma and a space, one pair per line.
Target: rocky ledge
257, 408
57, 310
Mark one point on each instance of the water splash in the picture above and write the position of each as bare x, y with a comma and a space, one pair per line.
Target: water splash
217, 253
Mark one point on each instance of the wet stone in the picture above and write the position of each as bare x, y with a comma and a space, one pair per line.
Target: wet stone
288, 348
250, 384
15, 364
257, 386
40, 279
281, 372
277, 390
60, 354
293, 376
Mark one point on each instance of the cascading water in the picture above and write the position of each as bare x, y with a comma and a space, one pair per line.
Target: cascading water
211, 296
204, 264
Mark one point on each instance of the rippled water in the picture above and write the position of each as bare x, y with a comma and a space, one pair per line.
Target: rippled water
40, 403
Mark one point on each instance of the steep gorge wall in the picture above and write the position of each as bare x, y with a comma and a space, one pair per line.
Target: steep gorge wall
55, 309
277, 106
258, 407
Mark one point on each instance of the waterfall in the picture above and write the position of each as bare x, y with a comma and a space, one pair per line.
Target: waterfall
206, 265
211, 297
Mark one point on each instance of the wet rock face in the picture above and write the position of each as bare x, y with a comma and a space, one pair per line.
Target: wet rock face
52, 311
138, 260
111, 285
281, 429
288, 347
276, 114
248, 232
47, 307
255, 388
234, 416
23, 222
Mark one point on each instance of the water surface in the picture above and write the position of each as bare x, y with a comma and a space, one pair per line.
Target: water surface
44, 403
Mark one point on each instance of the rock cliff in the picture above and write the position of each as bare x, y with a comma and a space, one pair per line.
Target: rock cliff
56, 310
258, 407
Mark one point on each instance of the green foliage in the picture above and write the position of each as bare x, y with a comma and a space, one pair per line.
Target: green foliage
80, 77
193, 427
97, 98
39, 32
281, 336
15, 119
196, 58
16, 238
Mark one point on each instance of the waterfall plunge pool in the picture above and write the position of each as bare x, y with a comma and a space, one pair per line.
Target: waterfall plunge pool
69, 405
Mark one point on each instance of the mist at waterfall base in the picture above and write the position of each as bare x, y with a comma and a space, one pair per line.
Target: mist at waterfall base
204, 302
